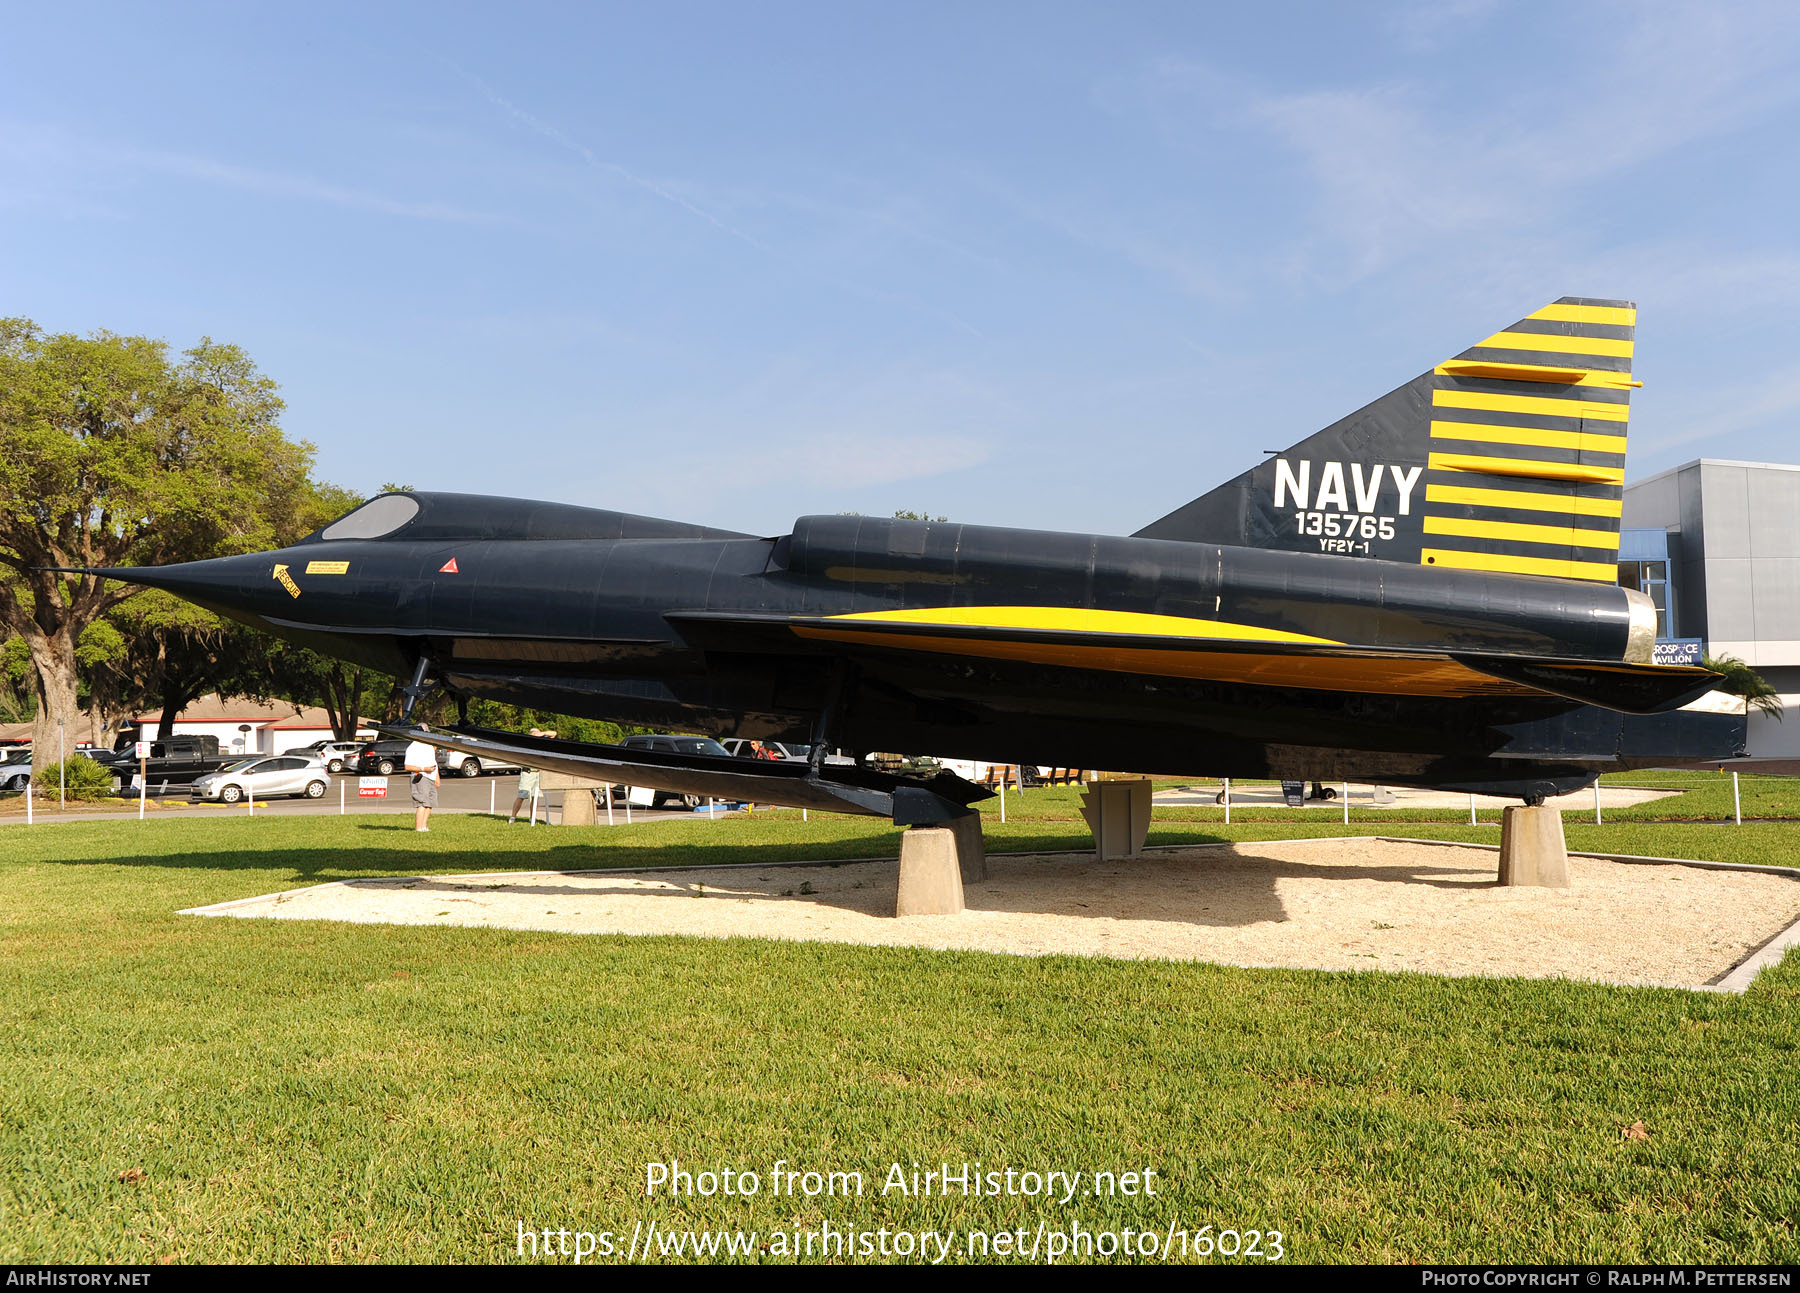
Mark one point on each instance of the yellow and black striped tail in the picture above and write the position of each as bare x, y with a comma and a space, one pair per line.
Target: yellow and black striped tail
1509, 457
1526, 469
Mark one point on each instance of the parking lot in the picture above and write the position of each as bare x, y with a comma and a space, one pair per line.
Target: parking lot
455, 795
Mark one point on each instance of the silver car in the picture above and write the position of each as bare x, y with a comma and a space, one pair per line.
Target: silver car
467, 765
786, 751
282, 774
334, 754
15, 769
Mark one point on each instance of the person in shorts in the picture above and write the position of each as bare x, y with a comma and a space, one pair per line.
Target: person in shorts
422, 767
528, 788
529, 785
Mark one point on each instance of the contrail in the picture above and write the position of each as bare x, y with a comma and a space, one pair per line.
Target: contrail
631, 177
588, 155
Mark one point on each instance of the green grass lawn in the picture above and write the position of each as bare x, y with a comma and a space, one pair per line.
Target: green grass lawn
1704, 797
296, 1091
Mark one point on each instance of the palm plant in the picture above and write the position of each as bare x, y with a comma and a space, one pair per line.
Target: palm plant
1739, 679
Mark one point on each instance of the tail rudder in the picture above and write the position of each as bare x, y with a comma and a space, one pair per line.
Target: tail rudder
1509, 457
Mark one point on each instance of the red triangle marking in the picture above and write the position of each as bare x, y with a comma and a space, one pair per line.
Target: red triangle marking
449, 568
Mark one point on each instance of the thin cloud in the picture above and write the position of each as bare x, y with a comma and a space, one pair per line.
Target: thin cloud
856, 460
663, 192
1747, 409
1428, 27
1400, 171
807, 434
303, 187
762, 479
1186, 270
51, 165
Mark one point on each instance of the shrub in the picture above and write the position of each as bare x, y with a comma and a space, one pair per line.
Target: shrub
1741, 680
82, 779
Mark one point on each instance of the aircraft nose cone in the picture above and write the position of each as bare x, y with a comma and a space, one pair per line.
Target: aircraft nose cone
250, 585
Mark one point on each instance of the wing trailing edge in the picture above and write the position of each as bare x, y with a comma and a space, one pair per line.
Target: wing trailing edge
908, 801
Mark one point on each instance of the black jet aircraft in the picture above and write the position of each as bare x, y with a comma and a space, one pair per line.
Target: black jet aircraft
1423, 593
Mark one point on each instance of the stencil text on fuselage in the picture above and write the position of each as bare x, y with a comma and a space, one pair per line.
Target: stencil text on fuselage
1356, 487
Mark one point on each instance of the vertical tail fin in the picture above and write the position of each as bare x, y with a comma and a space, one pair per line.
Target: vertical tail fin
1509, 457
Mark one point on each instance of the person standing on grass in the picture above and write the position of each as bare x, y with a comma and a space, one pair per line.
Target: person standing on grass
529, 785
421, 763
528, 789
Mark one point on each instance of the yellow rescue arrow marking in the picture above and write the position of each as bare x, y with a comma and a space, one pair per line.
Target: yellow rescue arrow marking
286, 580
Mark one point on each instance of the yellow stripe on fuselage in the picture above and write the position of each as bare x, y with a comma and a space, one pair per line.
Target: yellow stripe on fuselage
1575, 472
1493, 370
1581, 440
1617, 316
1064, 619
1547, 406
1503, 563
1470, 496
1389, 675
1514, 531
1557, 344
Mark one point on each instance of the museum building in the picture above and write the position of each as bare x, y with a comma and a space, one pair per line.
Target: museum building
1716, 545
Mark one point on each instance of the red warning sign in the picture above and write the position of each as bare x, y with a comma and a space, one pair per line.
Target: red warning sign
449, 567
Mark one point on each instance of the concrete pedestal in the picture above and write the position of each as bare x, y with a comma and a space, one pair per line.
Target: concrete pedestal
1531, 846
930, 873
971, 850
578, 805
578, 808
1118, 813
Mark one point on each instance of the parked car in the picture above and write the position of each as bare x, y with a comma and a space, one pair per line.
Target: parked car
456, 763
293, 774
739, 747
667, 743
15, 771
382, 758
787, 751
174, 760
335, 754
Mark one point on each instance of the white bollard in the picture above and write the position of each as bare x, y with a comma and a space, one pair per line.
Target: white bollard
1002, 795
491, 784
609, 816
1228, 801
628, 805
143, 789
534, 802
1471, 809
1596, 801
709, 809
802, 814
28, 816
1346, 803
1737, 805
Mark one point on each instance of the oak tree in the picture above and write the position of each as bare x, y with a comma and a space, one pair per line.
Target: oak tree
115, 452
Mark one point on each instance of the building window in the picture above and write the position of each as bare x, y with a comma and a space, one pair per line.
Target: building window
1652, 579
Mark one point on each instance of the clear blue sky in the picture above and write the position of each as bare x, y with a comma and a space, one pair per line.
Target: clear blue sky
1036, 264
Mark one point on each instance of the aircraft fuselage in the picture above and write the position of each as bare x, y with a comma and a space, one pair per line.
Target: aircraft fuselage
978, 642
